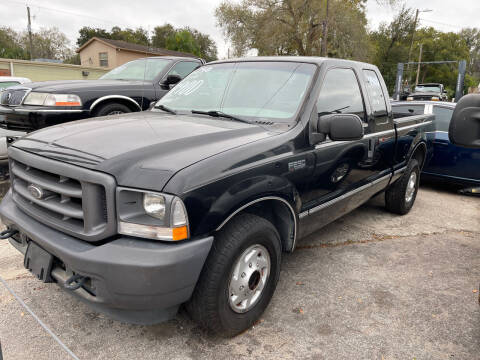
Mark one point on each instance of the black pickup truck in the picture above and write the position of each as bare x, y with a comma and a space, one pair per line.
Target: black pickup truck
127, 88
196, 201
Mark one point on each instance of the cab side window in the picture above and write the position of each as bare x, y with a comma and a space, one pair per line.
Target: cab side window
340, 94
183, 68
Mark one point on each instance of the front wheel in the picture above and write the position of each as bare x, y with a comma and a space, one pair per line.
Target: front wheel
239, 276
400, 196
112, 109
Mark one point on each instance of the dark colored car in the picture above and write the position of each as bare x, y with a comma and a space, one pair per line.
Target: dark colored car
428, 91
127, 88
446, 161
195, 201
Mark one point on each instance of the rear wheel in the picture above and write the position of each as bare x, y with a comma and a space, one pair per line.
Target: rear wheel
401, 195
112, 109
239, 276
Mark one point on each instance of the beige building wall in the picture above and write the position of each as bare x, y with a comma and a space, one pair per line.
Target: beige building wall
124, 56
89, 56
43, 71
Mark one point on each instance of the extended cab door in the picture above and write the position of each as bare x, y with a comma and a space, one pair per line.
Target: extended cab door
347, 173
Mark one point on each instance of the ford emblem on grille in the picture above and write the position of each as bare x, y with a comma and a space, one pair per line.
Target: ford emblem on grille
36, 191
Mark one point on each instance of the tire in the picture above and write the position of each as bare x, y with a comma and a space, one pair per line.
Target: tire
112, 109
213, 305
399, 197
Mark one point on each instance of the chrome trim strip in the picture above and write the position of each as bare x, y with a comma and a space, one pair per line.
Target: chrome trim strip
380, 133
263, 199
399, 170
346, 195
114, 97
49, 110
415, 125
367, 136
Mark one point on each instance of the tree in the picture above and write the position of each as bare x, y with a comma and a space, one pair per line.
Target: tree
471, 36
294, 27
161, 34
10, 45
49, 44
136, 36
185, 40
391, 44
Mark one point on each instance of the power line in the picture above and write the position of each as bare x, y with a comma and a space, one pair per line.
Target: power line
69, 13
442, 23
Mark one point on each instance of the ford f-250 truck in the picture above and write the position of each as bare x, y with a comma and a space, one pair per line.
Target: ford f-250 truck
195, 201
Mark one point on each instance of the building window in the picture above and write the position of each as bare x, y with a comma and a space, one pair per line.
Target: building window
103, 57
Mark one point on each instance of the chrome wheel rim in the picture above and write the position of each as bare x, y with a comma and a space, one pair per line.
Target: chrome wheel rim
248, 279
412, 184
116, 112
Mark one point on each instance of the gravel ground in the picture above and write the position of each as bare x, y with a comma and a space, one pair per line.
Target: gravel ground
369, 286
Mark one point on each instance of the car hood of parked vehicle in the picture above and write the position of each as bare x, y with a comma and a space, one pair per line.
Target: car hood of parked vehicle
425, 93
142, 149
73, 86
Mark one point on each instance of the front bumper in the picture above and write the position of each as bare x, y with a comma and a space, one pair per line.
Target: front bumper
28, 118
132, 280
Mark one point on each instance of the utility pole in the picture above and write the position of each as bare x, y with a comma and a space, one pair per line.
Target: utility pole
419, 61
413, 36
30, 33
325, 31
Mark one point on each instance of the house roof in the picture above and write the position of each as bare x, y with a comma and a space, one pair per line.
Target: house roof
123, 45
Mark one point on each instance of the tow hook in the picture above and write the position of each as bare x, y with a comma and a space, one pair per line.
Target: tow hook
75, 282
5, 234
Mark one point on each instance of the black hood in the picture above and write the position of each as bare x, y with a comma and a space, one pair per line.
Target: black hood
140, 145
75, 86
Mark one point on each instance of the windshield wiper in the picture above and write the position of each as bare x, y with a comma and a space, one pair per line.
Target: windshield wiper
216, 113
166, 108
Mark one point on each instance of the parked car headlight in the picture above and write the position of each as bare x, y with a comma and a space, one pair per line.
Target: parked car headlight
435, 98
46, 99
409, 98
151, 215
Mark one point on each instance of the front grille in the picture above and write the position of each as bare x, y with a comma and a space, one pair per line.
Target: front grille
13, 97
74, 200
423, 97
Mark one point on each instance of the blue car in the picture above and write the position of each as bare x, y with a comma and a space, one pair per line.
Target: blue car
444, 161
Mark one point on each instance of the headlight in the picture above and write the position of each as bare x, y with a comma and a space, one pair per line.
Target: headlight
151, 215
409, 98
435, 98
46, 99
154, 205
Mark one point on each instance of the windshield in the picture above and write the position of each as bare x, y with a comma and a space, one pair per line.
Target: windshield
269, 90
428, 88
142, 69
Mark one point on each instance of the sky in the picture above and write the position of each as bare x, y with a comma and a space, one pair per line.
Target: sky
69, 16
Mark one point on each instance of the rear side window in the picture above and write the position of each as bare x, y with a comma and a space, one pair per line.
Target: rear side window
340, 94
442, 118
375, 92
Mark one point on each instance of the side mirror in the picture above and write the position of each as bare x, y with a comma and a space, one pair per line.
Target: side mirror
464, 127
341, 127
172, 80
